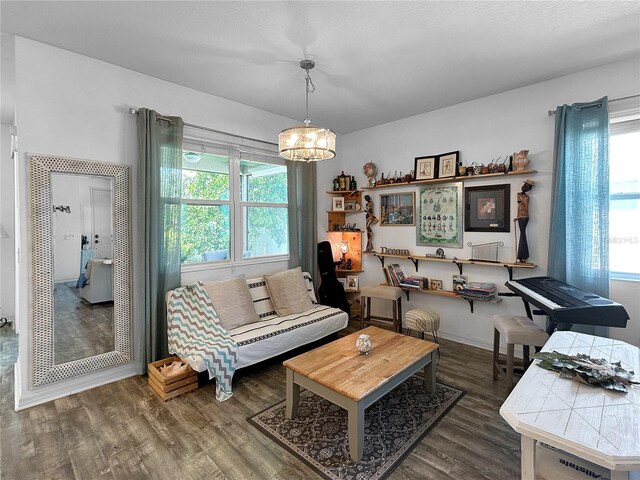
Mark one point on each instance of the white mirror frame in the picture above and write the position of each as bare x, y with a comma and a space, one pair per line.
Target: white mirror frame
43, 369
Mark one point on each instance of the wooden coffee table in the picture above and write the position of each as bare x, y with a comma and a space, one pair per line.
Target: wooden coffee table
339, 373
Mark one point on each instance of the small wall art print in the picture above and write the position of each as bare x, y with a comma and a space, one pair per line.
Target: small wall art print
397, 209
338, 204
425, 168
448, 164
487, 208
440, 216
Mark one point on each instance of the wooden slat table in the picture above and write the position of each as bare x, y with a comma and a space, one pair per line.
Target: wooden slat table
597, 425
339, 373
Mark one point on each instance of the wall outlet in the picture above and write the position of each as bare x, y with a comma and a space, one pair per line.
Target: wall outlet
69, 236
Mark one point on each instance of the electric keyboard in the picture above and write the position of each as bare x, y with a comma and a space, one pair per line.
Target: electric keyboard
563, 303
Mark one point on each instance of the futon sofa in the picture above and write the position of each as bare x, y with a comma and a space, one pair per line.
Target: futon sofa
261, 327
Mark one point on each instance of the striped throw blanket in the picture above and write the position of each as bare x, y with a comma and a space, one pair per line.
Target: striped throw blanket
194, 329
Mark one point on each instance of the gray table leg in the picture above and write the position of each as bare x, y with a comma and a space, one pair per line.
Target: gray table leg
293, 396
356, 430
430, 375
527, 458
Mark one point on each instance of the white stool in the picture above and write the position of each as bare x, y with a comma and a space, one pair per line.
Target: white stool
383, 292
516, 331
422, 321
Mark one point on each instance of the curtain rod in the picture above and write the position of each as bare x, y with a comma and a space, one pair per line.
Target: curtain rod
134, 111
553, 112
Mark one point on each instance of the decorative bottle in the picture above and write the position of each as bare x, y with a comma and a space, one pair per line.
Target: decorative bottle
336, 184
343, 181
353, 186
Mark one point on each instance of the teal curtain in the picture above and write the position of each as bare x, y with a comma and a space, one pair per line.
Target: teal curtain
303, 216
579, 237
159, 196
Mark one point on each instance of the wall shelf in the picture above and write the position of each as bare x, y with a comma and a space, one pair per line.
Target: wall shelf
457, 261
449, 294
465, 178
342, 192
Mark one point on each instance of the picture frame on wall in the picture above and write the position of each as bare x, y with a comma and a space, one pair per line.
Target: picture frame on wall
448, 164
487, 208
424, 168
440, 211
352, 282
397, 209
337, 204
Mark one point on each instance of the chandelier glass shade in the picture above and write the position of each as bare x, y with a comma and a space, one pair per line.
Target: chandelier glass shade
307, 143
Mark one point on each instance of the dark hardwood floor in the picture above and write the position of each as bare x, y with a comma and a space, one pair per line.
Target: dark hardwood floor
123, 431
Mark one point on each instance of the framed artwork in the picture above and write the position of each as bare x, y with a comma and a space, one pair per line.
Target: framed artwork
435, 285
352, 282
425, 168
440, 216
338, 204
447, 164
487, 208
351, 205
397, 209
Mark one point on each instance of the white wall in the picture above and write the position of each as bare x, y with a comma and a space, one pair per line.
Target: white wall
483, 129
74, 106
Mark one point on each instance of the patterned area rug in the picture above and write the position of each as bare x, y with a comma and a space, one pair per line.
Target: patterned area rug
393, 426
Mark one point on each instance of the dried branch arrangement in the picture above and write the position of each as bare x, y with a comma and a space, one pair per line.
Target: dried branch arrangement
593, 371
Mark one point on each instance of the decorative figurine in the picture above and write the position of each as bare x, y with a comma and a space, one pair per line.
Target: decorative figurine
370, 171
363, 344
520, 160
522, 220
370, 220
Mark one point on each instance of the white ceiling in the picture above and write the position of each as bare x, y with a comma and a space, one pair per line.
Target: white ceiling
375, 61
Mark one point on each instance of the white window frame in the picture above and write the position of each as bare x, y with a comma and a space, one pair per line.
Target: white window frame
624, 118
235, 152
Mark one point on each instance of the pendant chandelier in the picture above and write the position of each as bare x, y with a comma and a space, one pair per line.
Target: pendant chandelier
307, 142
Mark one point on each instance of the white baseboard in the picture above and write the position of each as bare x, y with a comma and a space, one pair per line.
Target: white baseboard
47, 393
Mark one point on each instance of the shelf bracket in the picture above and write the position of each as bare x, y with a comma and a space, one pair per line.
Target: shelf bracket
510, 270
415, 262
459, 265
379, 258
470, 303
406, 292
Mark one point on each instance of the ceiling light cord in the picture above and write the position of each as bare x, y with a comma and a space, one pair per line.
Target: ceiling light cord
310, 88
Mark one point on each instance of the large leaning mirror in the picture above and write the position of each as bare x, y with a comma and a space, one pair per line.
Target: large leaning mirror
80, 267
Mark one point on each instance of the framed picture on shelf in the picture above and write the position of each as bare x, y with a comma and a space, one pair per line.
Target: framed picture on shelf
343, 281
440, 216
350, 205
352, 282
397, 209
435, 285
447, 164
487, 208
425, 168
338, 204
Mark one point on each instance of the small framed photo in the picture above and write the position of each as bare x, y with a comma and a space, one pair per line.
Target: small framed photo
350, 205
447, 164
338, 204
486, 208
397, 209
352, 282
425, 168
435, 285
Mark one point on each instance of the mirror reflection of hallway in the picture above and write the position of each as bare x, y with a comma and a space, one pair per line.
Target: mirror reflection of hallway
82, 226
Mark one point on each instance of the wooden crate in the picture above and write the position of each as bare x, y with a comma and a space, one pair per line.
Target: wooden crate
169, 387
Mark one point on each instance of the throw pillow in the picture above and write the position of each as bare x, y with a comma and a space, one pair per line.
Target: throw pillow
288, 291
232, 301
